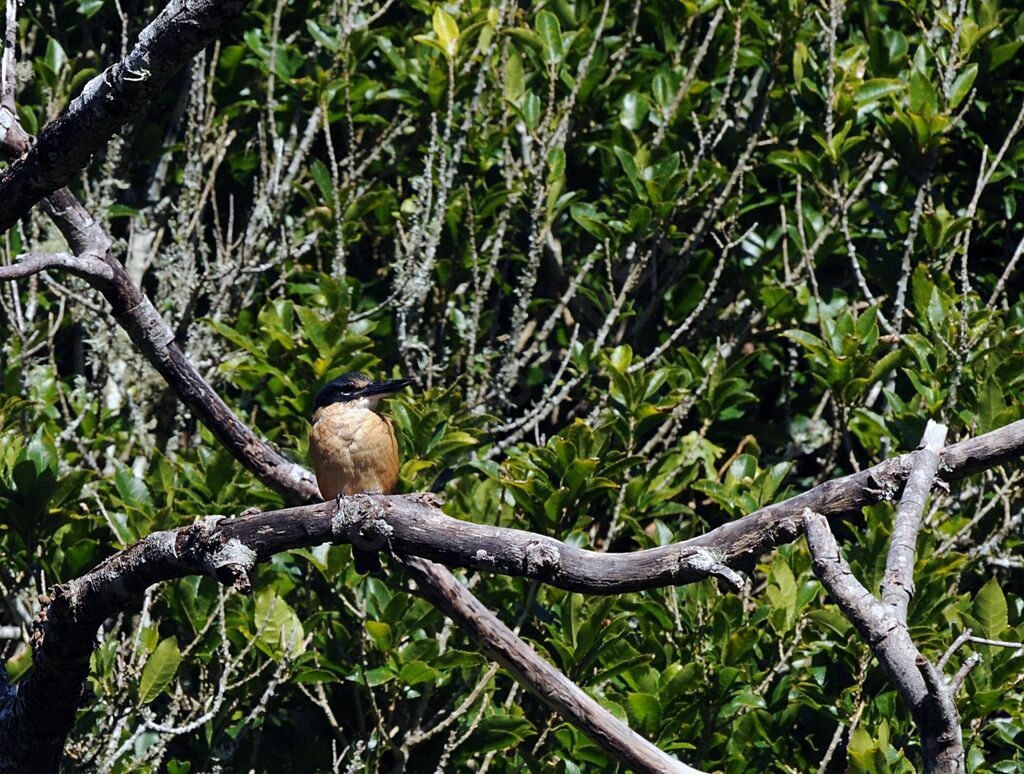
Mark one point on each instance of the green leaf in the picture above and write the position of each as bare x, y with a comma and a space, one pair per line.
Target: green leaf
936, 311
634, 111
800, 54
590, 218
990, 608
515, 83
416, 672
991, 404
805, 339
447, 32
55, 56
122, 211
629, 166
1005, 53
526, 36
160, 668
782, 593
883, 366
380, 633
663, 88
327, 41
550, 32
280, 630
531, 108
131, 489
962, 85
379, 676
307, 675
498, 731
429, 41
923, 99
89, 8
646, 708
876, 88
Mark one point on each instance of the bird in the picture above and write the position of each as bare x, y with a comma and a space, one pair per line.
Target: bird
352, 447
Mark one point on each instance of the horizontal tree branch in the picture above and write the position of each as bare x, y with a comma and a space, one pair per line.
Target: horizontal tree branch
109, 100
84, 266
414, 525
740, 543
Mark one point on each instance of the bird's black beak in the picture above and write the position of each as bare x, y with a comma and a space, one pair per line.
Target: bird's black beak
386, 387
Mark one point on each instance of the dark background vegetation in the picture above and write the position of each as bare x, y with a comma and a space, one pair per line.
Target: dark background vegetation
653, 264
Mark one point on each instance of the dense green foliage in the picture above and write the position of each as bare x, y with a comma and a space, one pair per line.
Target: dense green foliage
654, 265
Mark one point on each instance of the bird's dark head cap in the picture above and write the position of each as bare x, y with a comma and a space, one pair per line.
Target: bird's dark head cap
353, 386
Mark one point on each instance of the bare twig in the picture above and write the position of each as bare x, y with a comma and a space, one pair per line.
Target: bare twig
84, 266
7, 58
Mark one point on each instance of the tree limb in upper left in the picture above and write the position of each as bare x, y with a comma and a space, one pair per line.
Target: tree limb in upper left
108, 101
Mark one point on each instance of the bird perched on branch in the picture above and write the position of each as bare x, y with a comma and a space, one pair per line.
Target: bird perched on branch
352, 447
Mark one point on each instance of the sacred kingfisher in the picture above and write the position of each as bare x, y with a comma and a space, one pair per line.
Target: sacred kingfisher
352, 447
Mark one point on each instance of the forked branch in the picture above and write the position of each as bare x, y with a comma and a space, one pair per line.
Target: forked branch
883, 622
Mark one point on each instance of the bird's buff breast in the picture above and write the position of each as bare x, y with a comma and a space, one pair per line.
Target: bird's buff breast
353, 450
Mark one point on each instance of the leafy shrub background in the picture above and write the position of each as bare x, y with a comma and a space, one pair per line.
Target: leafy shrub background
654, 264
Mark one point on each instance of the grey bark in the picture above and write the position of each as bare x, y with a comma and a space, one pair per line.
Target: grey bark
109, 100
898, 583
883, 622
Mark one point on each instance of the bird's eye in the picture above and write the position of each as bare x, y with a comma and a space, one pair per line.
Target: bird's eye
347, 388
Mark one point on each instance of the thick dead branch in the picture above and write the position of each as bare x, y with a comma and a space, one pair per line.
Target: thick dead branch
883, 625
413, 525
739, 543
109, 100
547, 683
898, 583
36, 719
